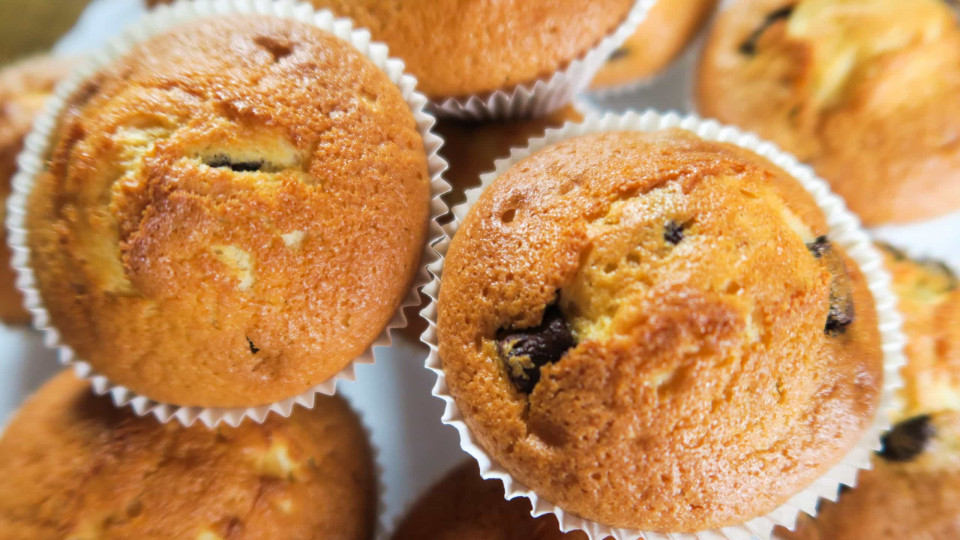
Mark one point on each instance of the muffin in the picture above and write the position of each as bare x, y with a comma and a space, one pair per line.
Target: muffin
459, 49
465, 506
33, 26
662, 36
913, 490
652, 331
231, 213
866, 91
24, 88
74, 466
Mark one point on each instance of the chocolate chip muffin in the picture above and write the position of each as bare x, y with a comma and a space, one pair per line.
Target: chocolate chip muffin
867, 91
231, 213
24, 88
655, 332
913, 490
74, 466
661, 37
465, 506
459, 49
33, 26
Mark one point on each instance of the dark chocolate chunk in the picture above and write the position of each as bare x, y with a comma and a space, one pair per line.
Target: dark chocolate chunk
619, 53
525, 351
749, 47
907, 439
253, 348
842, 312
221, 161
673, 232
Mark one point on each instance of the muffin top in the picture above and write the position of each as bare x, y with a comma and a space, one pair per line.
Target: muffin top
913, 489
231, 213
24, 88
74, 466
652, 331
458, 48
465, 506
663, 34
868, 91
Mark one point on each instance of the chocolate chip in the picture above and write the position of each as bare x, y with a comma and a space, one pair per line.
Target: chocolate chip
907, 439
619, 53
221, 161
673, 232
842, 312
253, 348
749, 47
525, 351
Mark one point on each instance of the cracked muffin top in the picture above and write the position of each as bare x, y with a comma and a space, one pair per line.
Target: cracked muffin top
459, 48
463, 505
913, 489
75, 466
24, 88
661, 37
231, 213
652, 331
867, 91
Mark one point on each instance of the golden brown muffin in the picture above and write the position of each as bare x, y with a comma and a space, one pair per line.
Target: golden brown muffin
652, 331
33, 26
913, 490
459, 48
24, 88
231, 213
464, 506
661, 37
74, 466
867, 91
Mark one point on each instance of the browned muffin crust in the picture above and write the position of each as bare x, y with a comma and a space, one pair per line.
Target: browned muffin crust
464, 506
662, 36
709, 378
913, 489
232, 212
459, 48
24, 88
74, 466
868, 92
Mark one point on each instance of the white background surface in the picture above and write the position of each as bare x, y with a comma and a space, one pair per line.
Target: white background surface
394, 394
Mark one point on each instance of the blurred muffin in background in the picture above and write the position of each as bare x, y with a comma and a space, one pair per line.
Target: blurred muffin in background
866, 91
31, 26
465, 506
24, 88
661, 37
75, 466
458, 49
913, 490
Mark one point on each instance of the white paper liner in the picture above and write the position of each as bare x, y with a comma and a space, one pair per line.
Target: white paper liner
38, 144
545, 95
845, 230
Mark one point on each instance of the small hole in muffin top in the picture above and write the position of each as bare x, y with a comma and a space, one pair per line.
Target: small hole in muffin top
278, 50
508, 216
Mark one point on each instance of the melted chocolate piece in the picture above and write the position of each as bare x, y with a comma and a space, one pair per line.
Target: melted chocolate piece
221, 162
673, 232
622, 52
525, 351
842, 312
907, 439
749, 47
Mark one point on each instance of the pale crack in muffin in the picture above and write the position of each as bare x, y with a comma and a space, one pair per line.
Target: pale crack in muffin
913, 489
867, 91
651, 331
24, 89
74, 466
231, 213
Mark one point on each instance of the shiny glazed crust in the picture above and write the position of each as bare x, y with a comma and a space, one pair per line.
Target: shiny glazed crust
706, 359
24, 88
875, 111
74, 466
232, 212
460, 48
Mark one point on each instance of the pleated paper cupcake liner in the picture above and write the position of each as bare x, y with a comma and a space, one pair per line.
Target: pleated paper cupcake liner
548, 94
845, 230
39, 143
